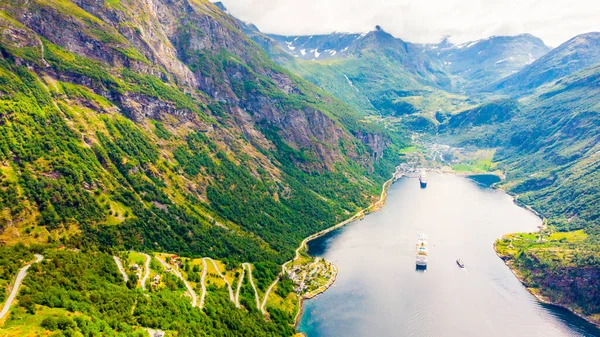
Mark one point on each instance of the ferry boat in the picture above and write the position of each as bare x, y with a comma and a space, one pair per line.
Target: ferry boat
423, 179
460, 262
422, 251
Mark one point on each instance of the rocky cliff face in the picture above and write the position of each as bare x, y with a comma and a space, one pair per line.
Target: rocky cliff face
177, 41
214, 131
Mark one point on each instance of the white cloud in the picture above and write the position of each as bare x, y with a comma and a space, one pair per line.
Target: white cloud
555, 21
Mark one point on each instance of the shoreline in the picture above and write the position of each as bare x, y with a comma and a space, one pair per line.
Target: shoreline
376, 206
363, 212
540, 298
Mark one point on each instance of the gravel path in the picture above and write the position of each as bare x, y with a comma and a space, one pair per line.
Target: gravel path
231, 297
121, 269
187, 285
146, 271
17, 285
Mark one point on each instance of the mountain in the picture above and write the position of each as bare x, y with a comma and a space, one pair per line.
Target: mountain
374, 72
576, 54
405, 56
379, 74
318, 47
160, 126
475, 64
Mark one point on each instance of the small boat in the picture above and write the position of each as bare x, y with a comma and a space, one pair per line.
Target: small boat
423, 179
460, 262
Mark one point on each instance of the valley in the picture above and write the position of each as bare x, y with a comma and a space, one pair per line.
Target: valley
539, 134
174, 164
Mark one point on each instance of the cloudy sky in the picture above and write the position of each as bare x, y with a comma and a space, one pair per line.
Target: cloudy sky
555, 21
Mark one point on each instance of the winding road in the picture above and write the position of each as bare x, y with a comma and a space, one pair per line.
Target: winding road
231, 297
146, 271
121, 269
247, 265
187, 285
203, 283
17, 285
239, 286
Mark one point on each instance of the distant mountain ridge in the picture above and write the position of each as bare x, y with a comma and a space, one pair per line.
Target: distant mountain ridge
318, 47
576, 54
380, 74
474, 64
477, 63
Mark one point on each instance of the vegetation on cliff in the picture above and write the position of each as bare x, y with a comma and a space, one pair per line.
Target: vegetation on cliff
124, 128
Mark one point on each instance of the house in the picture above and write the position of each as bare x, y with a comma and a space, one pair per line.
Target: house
174, 259
156, 280
135, 267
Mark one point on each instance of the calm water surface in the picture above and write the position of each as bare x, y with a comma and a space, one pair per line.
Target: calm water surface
379, 292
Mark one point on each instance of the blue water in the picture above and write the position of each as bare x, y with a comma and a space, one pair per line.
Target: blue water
379, 292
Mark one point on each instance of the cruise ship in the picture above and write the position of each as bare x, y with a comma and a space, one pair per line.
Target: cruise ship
423, 179
422, 251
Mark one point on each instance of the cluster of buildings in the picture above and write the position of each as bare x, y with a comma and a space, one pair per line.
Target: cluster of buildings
174, 260
302, 278
156, 279
296, 276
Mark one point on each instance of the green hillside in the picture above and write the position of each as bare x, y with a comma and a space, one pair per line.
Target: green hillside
125, 129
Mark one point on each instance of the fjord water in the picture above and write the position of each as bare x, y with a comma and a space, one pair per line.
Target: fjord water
379, 292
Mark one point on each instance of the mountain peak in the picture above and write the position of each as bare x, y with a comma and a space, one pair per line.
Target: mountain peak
220, 6
381, 35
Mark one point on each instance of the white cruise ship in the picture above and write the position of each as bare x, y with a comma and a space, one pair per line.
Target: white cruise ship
422, 250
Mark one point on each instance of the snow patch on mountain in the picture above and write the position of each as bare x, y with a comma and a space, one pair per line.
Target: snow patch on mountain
504, 60
467, 44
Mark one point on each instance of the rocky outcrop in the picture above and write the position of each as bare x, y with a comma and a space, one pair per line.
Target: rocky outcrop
376, 142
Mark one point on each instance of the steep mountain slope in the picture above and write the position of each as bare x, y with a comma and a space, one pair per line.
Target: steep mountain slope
476, 64
576, 54
129, 126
